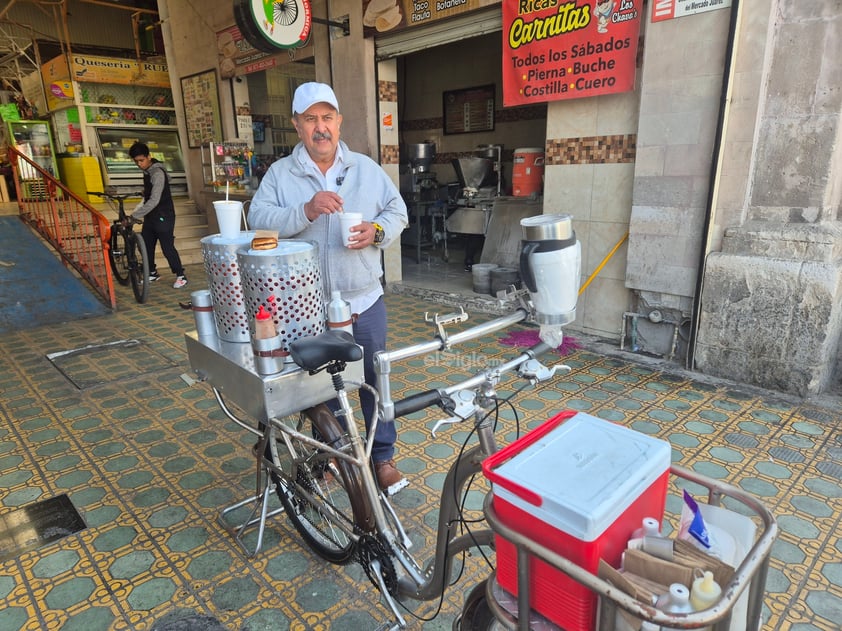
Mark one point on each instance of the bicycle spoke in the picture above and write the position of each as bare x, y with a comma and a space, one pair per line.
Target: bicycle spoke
117, 254
317, 506
314, 489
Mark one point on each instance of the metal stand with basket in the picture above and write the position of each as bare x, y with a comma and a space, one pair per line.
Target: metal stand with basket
749, 575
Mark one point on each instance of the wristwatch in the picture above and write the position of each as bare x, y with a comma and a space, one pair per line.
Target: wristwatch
379, 233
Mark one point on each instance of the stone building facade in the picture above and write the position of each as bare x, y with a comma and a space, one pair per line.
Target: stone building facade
723, 167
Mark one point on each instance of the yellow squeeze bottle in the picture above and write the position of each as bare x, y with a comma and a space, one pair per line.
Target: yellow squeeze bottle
704, 593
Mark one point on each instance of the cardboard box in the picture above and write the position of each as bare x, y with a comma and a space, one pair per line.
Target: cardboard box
580, 486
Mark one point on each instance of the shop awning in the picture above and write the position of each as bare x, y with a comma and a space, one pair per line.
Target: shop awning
412, 40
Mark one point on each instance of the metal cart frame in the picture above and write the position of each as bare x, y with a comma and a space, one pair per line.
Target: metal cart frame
753, 570
230, 369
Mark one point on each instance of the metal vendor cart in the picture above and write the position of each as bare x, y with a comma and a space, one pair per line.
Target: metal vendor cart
749, 575
229, 367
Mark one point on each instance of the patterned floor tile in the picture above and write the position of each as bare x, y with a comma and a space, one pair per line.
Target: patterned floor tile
149, 460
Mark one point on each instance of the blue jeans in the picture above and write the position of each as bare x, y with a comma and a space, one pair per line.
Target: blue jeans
370, 333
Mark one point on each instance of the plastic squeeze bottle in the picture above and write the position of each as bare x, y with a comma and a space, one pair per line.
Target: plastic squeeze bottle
676, 600
264, 327
649, 527
704, 593
339, 313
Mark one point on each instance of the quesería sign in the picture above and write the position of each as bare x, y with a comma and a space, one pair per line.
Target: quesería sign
555, 50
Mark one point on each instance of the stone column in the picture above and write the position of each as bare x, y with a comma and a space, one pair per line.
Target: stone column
771, 305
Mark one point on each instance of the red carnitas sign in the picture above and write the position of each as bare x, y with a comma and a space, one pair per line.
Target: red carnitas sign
555, 50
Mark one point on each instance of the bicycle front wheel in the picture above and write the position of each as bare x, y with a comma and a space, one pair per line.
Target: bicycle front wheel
117, 248
476, 614
138, 264
323, 497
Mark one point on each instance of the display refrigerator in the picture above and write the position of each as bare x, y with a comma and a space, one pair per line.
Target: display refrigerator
34, 140
118, 168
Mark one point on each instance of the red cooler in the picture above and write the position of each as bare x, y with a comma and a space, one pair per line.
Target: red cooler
580, 486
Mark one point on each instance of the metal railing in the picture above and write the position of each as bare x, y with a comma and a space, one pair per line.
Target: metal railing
77, 231
749, 577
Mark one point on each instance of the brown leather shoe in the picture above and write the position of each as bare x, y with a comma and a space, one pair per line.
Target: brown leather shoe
389, 478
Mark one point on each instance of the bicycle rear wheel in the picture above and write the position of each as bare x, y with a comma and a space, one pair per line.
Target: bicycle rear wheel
323, 497
117, 248
138, 264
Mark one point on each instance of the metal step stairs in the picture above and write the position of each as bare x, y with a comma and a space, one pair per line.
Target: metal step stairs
191, 225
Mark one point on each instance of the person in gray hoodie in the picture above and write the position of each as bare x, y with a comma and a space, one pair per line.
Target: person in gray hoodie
158, 213
302, 196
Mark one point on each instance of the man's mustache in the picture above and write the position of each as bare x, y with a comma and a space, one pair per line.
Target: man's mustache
319, 135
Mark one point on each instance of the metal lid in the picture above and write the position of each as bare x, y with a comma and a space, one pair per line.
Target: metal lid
547, 227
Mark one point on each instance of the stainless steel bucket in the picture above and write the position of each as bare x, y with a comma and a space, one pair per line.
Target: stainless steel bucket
287, 281
222, 270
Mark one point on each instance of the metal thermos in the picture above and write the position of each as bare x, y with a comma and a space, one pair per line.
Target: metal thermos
550, 259
201, 303
339, 316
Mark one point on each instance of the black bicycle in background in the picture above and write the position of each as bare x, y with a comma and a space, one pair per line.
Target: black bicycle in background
126, 250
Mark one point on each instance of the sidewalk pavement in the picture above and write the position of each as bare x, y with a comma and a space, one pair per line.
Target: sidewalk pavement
103, 410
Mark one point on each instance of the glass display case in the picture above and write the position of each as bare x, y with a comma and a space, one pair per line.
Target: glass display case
119, 170
35, 140
229, 162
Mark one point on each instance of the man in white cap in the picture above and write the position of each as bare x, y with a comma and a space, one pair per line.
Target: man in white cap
301, 195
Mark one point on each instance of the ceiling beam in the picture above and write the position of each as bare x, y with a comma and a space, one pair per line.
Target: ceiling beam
5, 9
113, 5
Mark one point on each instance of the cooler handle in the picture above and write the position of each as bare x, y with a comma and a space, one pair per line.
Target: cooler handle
498, 458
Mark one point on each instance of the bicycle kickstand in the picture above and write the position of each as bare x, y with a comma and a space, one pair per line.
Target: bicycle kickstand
259, 504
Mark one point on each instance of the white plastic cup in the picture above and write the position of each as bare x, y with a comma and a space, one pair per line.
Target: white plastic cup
346, 222
228, 213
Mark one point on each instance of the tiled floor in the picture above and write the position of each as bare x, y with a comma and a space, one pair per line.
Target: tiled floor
149, 460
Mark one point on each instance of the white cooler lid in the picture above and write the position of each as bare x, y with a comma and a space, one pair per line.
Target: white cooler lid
587, 471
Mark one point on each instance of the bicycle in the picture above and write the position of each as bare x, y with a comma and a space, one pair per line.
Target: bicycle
126, 250
326, 484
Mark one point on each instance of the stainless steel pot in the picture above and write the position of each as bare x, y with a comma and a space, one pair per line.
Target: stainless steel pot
421, 155
492, 152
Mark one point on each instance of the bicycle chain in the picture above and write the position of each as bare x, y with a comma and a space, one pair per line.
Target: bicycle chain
371, 548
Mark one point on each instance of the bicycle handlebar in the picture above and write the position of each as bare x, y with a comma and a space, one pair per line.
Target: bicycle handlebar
422, 400
115, 196
416, 402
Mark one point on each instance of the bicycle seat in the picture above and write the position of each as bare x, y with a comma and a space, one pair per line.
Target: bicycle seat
311, 353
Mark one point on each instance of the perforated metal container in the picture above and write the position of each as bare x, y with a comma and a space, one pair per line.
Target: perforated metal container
287, 281
223, 273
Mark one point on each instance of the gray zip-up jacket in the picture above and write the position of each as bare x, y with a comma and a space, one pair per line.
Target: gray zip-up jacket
279, 202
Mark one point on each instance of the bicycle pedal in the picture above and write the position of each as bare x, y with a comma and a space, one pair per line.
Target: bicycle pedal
396, 487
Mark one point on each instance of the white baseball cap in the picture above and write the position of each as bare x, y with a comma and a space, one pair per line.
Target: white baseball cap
308, 94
